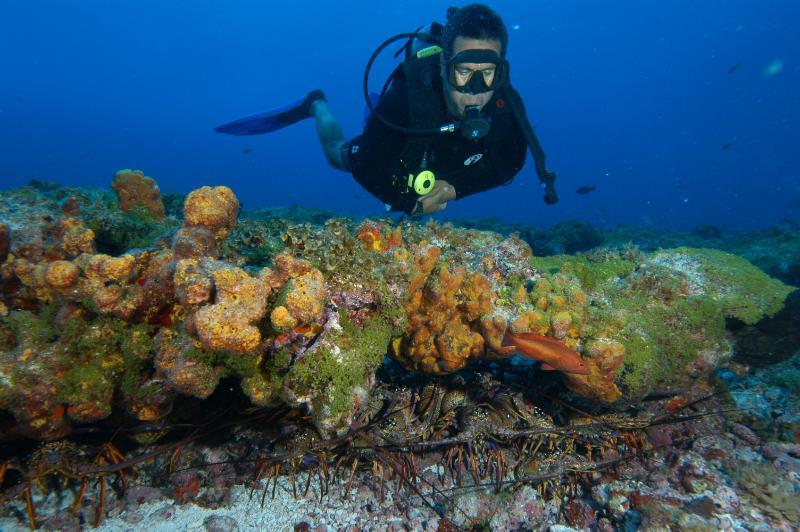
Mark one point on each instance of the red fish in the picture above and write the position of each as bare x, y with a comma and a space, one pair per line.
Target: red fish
550, 352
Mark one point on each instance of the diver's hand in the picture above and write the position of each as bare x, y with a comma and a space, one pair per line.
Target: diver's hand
436, 200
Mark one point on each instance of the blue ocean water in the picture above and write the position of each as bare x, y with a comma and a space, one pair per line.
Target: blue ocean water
680, 113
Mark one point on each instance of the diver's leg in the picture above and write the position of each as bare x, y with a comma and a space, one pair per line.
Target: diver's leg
330, 133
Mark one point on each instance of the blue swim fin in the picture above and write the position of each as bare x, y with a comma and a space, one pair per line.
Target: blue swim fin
273, 120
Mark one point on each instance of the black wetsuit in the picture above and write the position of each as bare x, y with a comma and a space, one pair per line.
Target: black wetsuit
382, 158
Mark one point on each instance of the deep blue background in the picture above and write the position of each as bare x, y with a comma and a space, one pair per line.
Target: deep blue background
634, 97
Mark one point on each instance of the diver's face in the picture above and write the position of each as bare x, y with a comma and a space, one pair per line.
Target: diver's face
458, 101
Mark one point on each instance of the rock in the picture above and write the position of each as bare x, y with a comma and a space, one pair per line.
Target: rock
133, 517
63, 521
220, 523
186, 485
746, 434
580, 514
775, 450
136, 495
164, 514
413, 513
5, 242
605, 525
600, 495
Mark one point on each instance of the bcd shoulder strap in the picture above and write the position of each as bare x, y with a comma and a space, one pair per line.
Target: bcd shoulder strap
424, 105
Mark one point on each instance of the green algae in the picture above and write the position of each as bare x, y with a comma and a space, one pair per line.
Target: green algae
88, 385
663, 339
668, 309
233, 364
592, 271
102, 354
332, 372
742, 290
255, 242
96, 354
33, 330
117, 231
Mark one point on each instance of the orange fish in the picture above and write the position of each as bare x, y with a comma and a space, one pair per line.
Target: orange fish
550, 352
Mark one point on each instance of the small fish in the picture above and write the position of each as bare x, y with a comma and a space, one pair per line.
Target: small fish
734, 68
727, 145
247, 150
550, 352
586, 189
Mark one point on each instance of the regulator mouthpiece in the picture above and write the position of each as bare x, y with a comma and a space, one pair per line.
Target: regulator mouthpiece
474, 126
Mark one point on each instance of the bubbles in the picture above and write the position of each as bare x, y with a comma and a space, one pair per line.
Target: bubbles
515, 27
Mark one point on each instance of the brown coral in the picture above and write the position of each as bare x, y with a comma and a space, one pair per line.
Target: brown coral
282, 320
186, 374
62, 274
75, 237
215, 208
305, 296
194, 243
284, 267
192, 285
135, 190
32, 395
229, 324
152, 401
118, 268
444, 311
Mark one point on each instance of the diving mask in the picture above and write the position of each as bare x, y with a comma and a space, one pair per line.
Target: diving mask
462, 78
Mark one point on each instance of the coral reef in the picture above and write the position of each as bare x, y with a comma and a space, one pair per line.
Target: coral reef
303, 314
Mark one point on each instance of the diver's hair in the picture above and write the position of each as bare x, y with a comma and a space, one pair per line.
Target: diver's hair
475, 21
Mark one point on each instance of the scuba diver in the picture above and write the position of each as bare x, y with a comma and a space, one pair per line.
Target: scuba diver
447, 124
